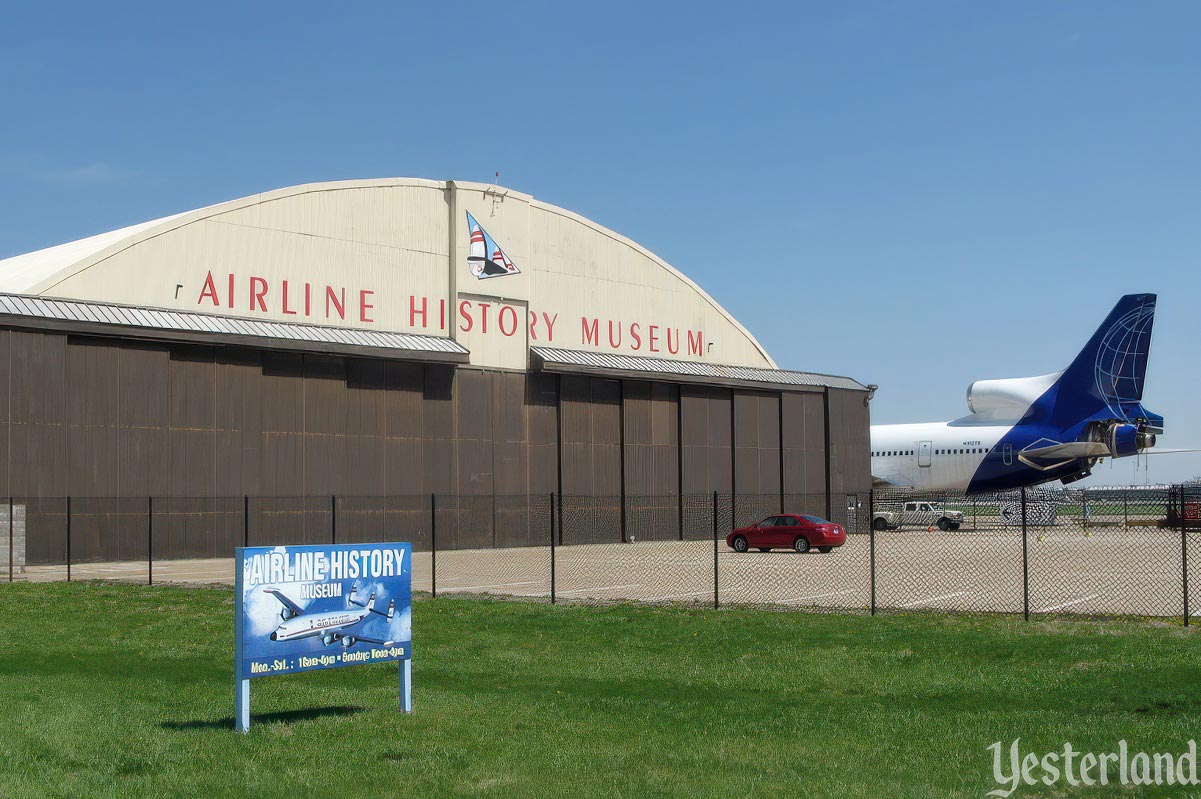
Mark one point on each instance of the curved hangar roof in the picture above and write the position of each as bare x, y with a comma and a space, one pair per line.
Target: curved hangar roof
492, 270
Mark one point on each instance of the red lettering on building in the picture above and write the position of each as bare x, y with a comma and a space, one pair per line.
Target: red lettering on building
285, 300
258, 293
512, 316
471, 316
589, 333
209, 290
338, 300
614, 343
414, 312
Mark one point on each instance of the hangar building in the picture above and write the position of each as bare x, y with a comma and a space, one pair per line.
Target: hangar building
391, 339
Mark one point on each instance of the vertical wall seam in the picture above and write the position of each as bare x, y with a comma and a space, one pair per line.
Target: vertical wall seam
680, 460
826, 433
621, 454
780, 443
733, 459
8, 455
559, 447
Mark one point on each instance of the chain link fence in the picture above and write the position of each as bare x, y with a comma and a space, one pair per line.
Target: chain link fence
1097, 551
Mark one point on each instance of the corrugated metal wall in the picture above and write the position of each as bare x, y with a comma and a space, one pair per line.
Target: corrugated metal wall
110, 422
803, 436
756, 455
849, 451
590, 426
650, 417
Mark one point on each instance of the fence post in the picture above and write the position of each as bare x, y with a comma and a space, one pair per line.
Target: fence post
716, 603
68, 539
149, 540
333, 518
1126, 507
433, 545
1025, 562
871, 540
245, 520
1184, 556
11, 554
552, 547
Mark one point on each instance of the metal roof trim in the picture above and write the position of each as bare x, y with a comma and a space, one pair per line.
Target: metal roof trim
112, 319
555, 359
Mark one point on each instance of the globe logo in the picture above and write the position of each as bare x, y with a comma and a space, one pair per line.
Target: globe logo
1122, 359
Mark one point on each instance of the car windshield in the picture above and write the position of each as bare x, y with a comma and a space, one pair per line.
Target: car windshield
815, 520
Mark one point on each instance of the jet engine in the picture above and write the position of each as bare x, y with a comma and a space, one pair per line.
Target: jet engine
1128, 439
348, 641
1007, 398
286, 614
328, 639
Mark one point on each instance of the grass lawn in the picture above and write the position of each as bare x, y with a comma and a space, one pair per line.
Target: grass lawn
126, 691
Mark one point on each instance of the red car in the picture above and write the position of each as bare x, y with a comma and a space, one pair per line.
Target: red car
795, 531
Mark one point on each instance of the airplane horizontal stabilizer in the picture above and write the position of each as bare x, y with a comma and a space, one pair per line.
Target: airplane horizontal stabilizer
1072, 449
1085, 449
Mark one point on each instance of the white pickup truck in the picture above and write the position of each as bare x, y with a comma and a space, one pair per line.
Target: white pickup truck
918, 513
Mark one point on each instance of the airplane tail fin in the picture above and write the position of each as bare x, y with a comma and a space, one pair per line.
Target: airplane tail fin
370, 602
391, 609
1107, 376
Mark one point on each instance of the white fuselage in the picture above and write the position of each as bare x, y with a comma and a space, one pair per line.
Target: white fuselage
938, 455
318, 624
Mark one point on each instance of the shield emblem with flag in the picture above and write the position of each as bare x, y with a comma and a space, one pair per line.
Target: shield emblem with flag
485, 258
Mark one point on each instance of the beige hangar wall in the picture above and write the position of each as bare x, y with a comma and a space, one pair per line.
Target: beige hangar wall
393, 254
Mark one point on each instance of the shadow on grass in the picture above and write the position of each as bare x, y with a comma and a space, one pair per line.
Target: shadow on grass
280, 717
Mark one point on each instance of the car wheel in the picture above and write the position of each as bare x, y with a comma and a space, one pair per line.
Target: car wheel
801, 544
740, 544
944, 525
825, 549
954, 526
879, 524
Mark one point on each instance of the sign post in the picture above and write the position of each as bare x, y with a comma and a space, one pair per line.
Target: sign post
303, 608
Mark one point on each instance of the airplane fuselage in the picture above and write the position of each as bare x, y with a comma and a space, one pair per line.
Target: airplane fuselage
316, 624
953, 456
934, 455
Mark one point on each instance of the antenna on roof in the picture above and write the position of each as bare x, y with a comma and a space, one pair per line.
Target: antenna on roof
494, 192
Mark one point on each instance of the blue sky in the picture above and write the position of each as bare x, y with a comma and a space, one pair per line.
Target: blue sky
917, 194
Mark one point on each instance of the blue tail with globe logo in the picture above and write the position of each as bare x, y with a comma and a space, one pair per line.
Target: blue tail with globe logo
1105, 381
1092, 411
